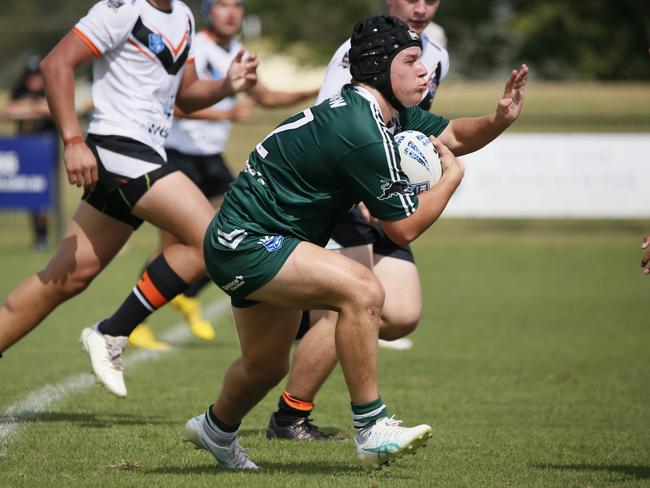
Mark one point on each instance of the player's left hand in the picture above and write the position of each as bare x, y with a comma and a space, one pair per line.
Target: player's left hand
645, 262
242, 73
512, 101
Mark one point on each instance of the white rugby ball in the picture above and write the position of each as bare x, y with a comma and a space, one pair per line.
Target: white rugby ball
419, 160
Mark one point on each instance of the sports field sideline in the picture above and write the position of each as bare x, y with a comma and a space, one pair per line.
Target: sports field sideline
530, 363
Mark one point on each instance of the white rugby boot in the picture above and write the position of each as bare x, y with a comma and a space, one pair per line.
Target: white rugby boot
230, 456
385, 441
105, 353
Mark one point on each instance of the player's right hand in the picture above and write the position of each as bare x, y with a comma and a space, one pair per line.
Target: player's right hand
451, 166
80, 165
242, 73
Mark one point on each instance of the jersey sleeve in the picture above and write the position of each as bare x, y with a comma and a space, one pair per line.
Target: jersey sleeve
415, 118
374, 173
106, 26
337, 73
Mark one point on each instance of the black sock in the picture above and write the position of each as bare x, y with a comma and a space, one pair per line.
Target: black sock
225, 427
158, 284
197, 286
291, 408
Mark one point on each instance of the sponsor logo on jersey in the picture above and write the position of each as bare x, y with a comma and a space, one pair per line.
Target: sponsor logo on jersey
272, 243
156, 43
172, 58
234, 284
395, 188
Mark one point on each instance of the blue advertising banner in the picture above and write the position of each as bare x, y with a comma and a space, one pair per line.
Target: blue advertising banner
28, 169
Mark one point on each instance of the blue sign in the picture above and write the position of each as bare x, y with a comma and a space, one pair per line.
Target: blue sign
28, 171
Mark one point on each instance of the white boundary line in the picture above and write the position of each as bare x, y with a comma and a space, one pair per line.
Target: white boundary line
41, 400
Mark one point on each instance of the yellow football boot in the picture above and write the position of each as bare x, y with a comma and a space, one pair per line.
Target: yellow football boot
144, 338
191, 310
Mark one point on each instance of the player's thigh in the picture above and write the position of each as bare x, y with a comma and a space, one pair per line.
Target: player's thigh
175, 205
315, 278
401, 281
266, 334
361, 254
90, 240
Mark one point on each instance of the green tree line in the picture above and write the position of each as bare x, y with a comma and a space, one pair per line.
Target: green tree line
560, 39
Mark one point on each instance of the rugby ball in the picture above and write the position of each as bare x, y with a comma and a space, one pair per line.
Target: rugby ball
419, 160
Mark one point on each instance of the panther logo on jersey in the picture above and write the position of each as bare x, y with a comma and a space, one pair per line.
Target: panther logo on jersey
395, 188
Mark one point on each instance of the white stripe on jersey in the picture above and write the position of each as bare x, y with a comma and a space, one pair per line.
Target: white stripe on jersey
389, 149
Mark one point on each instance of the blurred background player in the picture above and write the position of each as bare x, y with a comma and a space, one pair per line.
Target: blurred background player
28, 108
197, 140
141, 50
355, 237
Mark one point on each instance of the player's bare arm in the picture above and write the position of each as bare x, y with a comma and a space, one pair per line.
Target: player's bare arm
466, 135
194, 94
645, 262
239, 113
58, 76
272, 98
432, 202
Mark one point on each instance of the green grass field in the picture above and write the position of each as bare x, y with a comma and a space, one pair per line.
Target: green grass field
530, 362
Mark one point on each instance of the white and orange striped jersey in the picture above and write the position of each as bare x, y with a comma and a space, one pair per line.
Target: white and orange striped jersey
435, 59
206, 137
141, 53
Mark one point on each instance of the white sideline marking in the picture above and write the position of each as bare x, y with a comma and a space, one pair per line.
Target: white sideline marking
40, 401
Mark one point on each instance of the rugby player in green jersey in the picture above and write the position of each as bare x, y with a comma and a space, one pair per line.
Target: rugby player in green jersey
264, 248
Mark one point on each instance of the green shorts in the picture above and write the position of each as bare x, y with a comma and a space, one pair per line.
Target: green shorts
240, 261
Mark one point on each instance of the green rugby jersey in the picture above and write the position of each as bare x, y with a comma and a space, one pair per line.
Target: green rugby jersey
316, 165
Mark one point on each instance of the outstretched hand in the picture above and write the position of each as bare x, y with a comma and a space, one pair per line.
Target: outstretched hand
512, 101
242, 73
645, 262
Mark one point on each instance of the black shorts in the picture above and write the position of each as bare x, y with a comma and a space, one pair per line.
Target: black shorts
116, 194
353, 230
209, 173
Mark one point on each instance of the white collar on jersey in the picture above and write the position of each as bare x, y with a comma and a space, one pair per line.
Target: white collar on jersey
366, 94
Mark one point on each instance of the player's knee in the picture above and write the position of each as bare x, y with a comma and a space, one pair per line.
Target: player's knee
398, 325
368, 296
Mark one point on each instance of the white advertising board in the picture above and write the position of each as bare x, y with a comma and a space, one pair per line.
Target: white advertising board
599, 175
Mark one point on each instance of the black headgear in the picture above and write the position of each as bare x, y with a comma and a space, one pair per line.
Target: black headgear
374, 44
